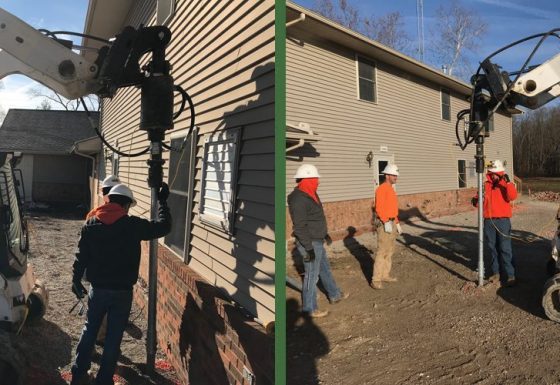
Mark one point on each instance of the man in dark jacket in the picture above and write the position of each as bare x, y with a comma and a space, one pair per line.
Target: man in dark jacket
310, 231
109, 254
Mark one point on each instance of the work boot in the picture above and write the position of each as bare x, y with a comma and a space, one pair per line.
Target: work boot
389, 279
376, 285
342, 296
318, 313
511, 281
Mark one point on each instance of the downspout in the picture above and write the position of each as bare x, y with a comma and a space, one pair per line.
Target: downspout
300, 144
93, 169
295, 21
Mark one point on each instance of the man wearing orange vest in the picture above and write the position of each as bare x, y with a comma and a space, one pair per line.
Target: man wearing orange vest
388, 227
498, 193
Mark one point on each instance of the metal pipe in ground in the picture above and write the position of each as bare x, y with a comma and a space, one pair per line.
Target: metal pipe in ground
480, 229
151, 342
480, 171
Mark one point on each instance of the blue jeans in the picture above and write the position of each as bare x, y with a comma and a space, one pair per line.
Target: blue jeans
116, 304
317, 269
497, 233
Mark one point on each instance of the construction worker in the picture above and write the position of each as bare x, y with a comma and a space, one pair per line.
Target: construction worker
310, 231
498, 193
388, 227
106, 186
109, 254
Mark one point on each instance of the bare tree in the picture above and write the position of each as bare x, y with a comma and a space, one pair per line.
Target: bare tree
457, 29
341, 12
45, 105
48, 98
388, 29
536, 142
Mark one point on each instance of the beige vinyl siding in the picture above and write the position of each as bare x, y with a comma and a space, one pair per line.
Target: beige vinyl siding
406, 118
222, 54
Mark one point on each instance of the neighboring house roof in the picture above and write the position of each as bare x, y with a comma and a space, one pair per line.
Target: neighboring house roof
45, 131
332, 31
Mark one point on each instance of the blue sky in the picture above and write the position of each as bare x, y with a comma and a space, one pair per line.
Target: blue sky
68, 15
508, 20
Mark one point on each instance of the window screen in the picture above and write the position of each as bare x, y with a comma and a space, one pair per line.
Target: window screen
462, 172
219, 179
445, 105
181, 169
366, 79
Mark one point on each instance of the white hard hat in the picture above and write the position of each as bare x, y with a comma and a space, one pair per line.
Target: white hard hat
496, 166
124, 190
307, 171
110, 181
391, 169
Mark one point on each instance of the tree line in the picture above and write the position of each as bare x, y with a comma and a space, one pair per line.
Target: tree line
536, 143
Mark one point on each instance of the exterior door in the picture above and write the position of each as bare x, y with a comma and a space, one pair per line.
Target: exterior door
379, 163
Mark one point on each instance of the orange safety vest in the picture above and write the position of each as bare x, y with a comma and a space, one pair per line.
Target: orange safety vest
386, 205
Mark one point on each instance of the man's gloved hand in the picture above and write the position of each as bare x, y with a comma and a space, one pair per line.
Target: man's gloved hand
310, 255
474, 201
78, 289
388, 226
399, 228
506, 178
163, 194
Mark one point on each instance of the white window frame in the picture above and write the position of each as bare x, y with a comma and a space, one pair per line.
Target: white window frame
375, 84
441, 91
225, 137
190, 192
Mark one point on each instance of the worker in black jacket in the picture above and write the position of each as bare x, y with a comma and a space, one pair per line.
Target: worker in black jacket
109, 255
310, 231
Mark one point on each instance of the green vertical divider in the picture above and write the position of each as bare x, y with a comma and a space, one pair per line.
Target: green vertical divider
280, 192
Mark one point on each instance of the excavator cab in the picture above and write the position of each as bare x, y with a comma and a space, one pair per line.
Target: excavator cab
21, 296
13, 229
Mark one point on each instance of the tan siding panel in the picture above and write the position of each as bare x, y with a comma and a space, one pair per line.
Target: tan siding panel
222, 54
406, 119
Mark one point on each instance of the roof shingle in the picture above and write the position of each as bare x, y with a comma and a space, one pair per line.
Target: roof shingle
44, 131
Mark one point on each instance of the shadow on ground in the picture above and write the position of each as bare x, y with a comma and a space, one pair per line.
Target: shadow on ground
306, 343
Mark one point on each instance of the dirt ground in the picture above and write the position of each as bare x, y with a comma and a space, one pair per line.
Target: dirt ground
49, 345
433, 326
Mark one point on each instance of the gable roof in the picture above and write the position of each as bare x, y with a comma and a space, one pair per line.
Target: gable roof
45, 131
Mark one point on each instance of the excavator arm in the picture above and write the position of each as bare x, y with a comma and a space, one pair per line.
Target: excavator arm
31, 53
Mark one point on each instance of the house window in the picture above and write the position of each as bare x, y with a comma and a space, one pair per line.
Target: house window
462, 172
115, 164
219, 179
366, 80
181, 182
165, 11
489, 125
445, 105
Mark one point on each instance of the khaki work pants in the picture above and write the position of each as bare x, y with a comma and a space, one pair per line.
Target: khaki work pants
384, 254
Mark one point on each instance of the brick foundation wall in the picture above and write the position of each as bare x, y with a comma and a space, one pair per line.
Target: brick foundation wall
204, 335
358, 213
